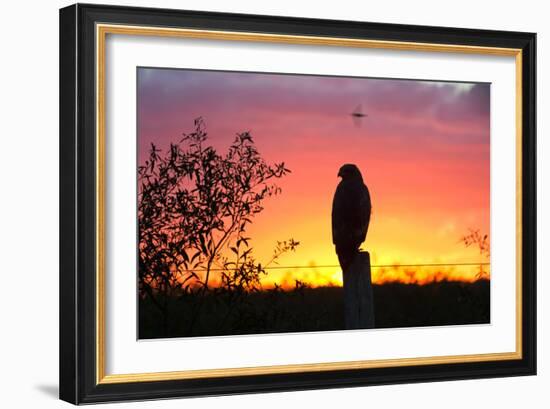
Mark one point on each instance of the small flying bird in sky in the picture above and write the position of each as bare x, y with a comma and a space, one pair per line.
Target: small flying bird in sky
357, 115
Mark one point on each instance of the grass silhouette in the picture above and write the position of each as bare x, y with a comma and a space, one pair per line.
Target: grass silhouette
304, 309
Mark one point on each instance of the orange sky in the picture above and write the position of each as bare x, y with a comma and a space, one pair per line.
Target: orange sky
423, 151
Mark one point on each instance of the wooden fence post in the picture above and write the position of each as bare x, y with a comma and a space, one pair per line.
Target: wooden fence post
358, 297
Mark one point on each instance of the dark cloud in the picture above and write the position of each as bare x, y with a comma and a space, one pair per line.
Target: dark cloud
413, 113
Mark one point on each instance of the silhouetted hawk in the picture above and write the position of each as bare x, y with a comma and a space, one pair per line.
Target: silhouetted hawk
351, 210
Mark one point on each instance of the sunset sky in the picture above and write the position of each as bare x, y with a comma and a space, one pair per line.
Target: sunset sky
423, 151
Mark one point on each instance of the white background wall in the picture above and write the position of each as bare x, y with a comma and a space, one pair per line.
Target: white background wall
29, 202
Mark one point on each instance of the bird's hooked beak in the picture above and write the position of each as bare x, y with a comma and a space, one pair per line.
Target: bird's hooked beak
340, 173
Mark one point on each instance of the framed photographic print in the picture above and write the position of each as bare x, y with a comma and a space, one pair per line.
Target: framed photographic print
258, 203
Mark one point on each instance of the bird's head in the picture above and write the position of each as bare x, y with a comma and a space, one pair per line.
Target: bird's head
350, 172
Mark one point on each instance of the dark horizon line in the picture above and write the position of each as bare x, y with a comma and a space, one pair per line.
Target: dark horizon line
372, 266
